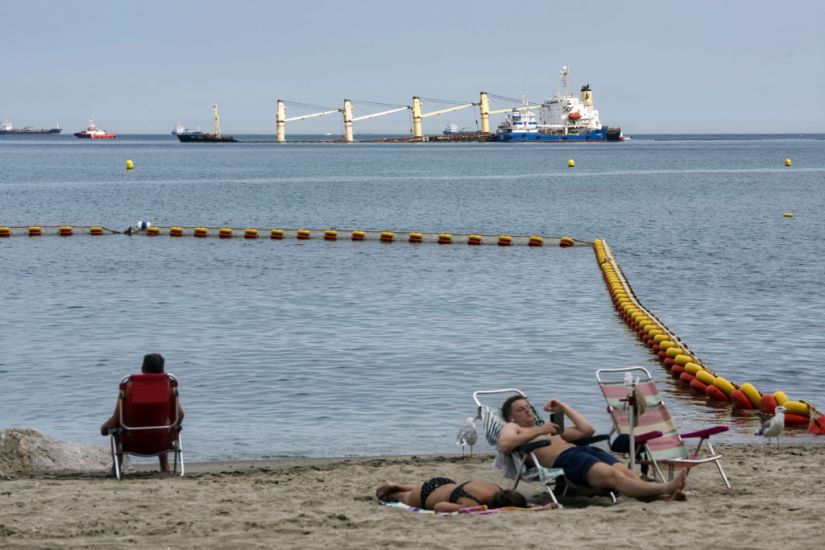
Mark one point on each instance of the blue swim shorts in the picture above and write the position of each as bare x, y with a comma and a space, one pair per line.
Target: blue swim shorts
577, 461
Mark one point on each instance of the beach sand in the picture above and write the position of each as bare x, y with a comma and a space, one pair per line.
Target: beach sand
777, 502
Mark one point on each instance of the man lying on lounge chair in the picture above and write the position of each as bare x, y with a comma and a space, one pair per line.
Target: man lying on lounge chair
586, 465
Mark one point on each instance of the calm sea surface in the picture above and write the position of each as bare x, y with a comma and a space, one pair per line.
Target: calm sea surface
331, 349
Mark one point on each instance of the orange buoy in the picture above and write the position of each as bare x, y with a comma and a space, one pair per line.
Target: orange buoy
225, 233
66, 231
677, 371
152, 231
176, 231
698, 386
276, 234
565, 242
96, 230
358, 235
387, 237
535, 240
741, 400
330, 235
505, 240
416, 238
200, 233
792, 420
715, 393
5, 231
768, 405
304, 234
250, 233
445, 238
474, 240
686, 378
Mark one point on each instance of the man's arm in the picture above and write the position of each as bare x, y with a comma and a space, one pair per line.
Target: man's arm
581, 426
512, 435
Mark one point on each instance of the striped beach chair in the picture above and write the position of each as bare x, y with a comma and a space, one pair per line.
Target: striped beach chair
637, 410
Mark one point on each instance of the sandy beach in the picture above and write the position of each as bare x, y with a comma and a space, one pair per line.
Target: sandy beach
777, 500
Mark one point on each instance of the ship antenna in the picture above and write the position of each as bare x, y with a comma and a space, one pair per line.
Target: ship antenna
217, 121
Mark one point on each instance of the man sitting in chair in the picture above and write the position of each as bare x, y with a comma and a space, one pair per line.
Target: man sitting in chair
153, 363
585, 465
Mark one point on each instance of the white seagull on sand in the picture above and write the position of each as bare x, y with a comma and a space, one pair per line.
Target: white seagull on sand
773, 427
467, 435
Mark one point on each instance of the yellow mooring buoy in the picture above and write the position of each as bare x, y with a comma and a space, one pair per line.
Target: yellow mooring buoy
571, 163
788, 214
130, 165
787, 162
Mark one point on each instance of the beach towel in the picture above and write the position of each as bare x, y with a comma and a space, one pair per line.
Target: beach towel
475, 510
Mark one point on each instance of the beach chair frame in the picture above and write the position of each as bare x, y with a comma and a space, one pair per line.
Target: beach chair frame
119, 436
524, 458
649, 424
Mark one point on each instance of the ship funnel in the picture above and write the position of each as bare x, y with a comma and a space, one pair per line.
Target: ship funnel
586, 96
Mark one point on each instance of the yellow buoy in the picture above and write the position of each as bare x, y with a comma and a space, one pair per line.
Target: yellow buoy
416, 237
788, 214
276, 234
571, 163
130, 165
787, 162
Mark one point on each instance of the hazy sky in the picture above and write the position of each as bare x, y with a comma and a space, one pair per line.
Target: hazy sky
654, 66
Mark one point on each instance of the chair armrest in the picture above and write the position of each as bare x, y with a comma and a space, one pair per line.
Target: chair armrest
622, 442
591, 440
706, 432
532, 446
644, 438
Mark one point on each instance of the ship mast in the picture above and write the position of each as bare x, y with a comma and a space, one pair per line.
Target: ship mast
563, 73
217, 121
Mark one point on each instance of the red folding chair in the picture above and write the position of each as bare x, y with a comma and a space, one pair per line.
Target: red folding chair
150, 420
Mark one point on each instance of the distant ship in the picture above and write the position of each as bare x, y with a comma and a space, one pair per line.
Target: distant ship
188, 136
562, 118
452, 129
93, 132
6, 127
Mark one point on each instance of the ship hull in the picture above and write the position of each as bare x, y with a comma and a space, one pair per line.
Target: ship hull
32, 132
205, 138
592, 135
84, 135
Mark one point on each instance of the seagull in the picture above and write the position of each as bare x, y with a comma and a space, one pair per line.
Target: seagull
773, 427
467, 435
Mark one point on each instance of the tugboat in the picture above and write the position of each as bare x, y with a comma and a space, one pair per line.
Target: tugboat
93, 132
6, 127
207, 137
563, 117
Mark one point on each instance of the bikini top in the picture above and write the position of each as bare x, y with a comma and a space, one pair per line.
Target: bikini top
459, 492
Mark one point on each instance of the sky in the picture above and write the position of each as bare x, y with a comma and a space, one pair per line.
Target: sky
753, 66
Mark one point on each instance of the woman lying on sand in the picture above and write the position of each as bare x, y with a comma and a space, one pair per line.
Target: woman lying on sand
445, 495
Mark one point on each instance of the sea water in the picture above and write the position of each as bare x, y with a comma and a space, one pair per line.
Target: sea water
313, 348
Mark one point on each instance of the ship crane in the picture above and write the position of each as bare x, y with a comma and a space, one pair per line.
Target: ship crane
217, 121
281, 119
484, 107
349, 119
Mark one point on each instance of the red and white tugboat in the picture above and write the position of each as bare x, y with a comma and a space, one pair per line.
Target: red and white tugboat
93, 132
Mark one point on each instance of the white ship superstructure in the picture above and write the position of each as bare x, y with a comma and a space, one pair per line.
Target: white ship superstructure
569, 114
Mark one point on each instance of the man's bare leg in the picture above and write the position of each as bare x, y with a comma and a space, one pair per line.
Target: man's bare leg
603, 476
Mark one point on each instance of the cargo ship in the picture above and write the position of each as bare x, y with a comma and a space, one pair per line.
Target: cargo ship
189, 136
93, 132
6, 127
563, 117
